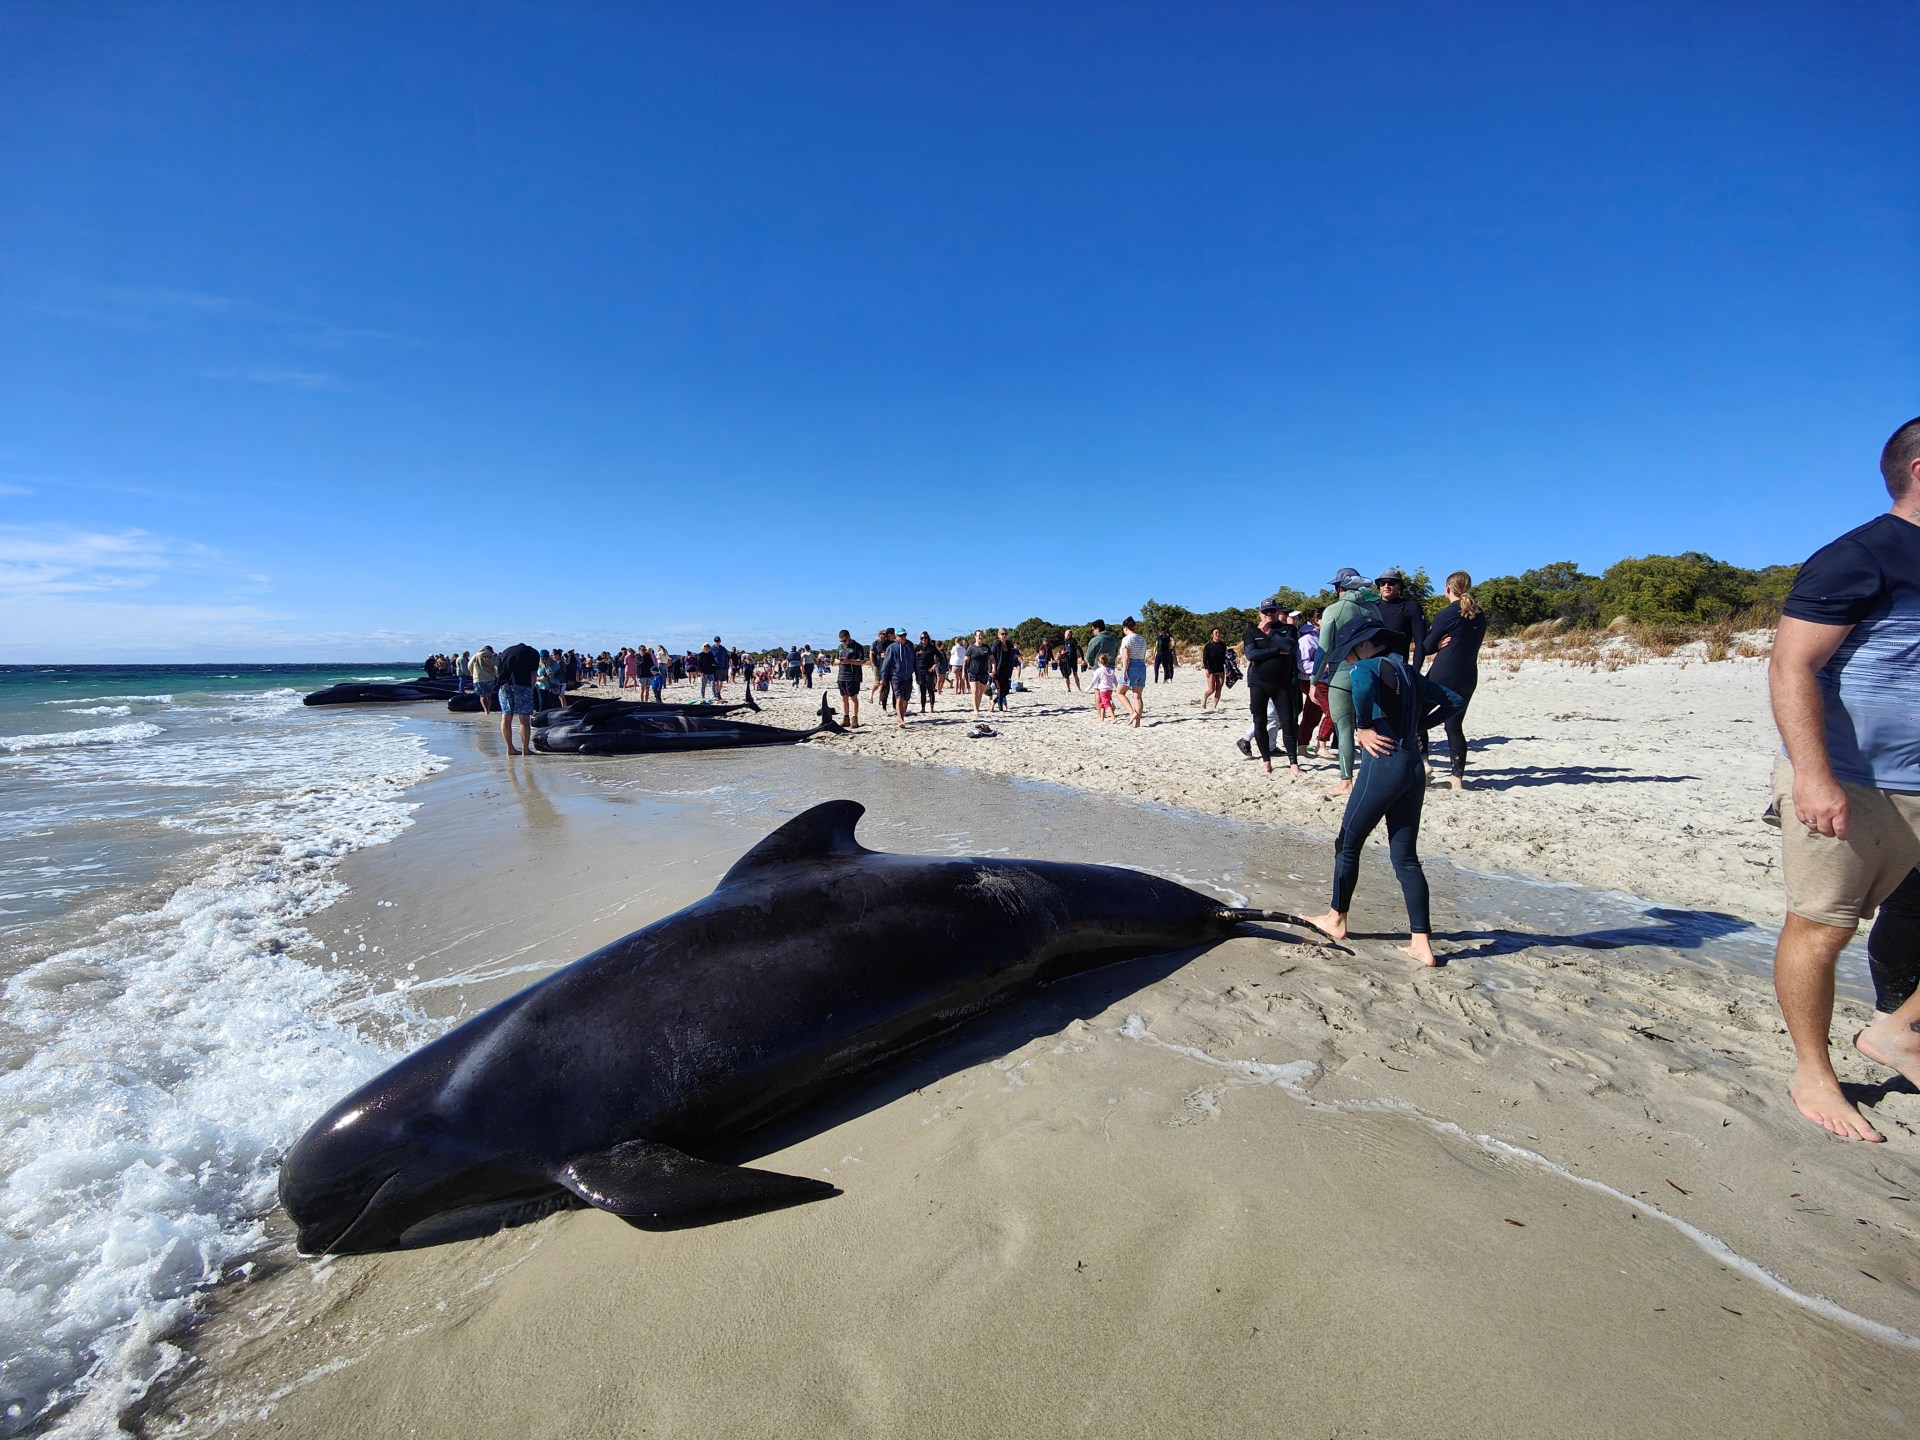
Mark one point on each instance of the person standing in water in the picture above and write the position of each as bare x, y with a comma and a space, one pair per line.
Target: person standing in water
1389, 720
1453, 644
519, 669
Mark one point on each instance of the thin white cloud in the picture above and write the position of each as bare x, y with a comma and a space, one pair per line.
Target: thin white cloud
284, 379
6, 488
56, 560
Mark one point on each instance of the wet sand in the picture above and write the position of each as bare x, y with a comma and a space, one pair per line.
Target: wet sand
1262, 1189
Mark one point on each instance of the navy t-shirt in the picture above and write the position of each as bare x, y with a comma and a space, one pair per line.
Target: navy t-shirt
1870, 579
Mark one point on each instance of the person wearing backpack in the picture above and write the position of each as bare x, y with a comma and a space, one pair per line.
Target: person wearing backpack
1272, 649
1392, 710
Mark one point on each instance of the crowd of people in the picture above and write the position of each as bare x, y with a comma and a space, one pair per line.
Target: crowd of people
1368, 681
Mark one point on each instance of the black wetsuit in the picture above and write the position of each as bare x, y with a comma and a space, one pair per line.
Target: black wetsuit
1163, 658
1273, 678
1410, 620
1893, 946
926, 666
1457, 667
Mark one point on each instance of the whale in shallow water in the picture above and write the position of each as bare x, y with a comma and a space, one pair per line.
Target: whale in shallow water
373, 692
812, 963
645, 732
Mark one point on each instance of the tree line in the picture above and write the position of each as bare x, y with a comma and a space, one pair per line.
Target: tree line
1686, 589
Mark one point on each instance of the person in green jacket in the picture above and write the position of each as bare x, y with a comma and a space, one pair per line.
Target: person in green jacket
1355, 602
1103, 646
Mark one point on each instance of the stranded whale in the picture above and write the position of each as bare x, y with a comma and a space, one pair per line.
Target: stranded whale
372, 692
643, 732
813, 962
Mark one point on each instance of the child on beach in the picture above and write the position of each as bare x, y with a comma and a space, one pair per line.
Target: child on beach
1105, 681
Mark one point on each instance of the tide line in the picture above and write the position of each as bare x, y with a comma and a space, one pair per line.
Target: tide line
1292, 1076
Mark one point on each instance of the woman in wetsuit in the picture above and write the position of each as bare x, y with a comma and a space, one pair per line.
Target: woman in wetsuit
1453, 643
1390, 716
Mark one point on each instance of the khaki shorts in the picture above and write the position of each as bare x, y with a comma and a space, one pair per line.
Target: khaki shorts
1837, 882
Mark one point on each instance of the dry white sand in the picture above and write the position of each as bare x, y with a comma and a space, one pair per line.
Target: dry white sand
1264, 1190
1649, 779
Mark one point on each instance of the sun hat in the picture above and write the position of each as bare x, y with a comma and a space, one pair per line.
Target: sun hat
1375, 630
1390, 574
1349, 578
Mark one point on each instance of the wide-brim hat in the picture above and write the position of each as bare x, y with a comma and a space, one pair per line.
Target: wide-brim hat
1348, 578
1394, 640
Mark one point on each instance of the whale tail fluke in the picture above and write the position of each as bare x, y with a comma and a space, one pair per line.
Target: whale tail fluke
658, 1187
752, 704
1240, 916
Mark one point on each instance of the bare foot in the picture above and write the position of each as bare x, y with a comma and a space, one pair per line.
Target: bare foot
1345, 787
1267, 766
1456, 784
1332, 923
512, 751
1420, 947
1887, 1042
1821, 1101
1296, 769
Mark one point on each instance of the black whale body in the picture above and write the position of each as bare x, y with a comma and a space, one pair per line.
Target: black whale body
813, 962
373, 692
643, 732
602, 709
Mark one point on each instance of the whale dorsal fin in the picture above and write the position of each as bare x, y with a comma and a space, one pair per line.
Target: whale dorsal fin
655, 1185
825, 830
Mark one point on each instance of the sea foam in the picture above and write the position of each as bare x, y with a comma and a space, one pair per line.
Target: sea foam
172, 1058
72, 739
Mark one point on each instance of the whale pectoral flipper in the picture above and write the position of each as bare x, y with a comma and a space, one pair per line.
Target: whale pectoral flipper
647, 1183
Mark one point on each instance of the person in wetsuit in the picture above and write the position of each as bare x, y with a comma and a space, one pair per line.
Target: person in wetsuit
1453, 644
1006, 660
1402, 614
1390, 715
1272, 652
1893, 946
1162, 657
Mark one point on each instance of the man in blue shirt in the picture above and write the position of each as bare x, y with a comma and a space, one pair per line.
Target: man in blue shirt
1845, 680
722, 668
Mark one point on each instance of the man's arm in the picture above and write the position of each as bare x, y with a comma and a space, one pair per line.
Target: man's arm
1800, 649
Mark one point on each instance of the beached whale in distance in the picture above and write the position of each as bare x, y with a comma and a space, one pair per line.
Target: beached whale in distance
375, 692
813, 962
646, 732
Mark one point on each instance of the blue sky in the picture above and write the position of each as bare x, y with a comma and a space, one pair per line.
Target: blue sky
340, 331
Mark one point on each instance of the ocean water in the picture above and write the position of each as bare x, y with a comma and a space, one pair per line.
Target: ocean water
167, 1024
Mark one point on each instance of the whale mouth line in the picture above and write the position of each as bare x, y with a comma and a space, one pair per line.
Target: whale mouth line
332, 1246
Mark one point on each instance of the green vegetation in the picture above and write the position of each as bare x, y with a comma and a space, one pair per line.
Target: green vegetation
1690, 589
1686, 589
